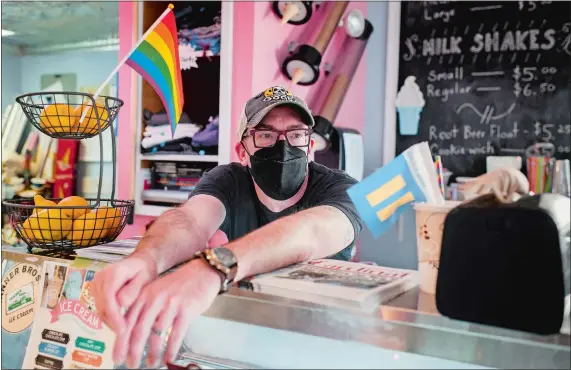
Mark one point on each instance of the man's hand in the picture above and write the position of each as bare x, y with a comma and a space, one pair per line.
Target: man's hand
505, 183
170, 302
118, 285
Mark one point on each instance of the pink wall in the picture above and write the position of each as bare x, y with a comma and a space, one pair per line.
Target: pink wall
242, 66
257, 64
260, 45
126, 143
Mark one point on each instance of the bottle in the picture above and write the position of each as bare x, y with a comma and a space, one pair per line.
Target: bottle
45, 291
55, 286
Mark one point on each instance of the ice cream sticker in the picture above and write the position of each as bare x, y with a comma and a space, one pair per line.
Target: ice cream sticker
90, 344
77, 309
48, 362
55, 336
409, 103
19, 294
52, 349
66, 333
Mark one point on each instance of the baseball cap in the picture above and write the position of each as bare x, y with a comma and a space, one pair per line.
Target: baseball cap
261, 104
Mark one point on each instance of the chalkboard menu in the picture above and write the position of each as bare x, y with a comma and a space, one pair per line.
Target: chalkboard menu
495, 78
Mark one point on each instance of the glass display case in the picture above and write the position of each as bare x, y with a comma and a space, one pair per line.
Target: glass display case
247, 330
271, 332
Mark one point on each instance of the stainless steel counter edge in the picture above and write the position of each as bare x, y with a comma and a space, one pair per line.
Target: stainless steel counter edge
409, 323
399, 326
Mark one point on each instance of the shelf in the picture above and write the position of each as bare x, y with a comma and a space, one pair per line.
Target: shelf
180, 157
145, 97
165, 196
149, 210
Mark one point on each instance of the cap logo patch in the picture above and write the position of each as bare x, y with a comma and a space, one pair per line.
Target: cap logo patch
277, 93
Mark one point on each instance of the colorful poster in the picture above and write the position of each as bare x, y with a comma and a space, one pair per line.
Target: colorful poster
67, 333
21, 275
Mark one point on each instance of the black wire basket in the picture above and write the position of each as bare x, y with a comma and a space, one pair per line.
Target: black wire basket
69, 115
54, 228
66, 228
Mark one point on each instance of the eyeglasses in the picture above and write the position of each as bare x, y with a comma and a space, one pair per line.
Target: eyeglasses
265, 138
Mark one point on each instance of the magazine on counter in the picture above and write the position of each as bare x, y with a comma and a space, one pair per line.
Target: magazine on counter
333, 282
110, 252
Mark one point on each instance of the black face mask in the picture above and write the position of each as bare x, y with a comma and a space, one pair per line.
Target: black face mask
280, 170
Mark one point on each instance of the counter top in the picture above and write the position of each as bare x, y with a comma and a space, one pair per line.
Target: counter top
409, 323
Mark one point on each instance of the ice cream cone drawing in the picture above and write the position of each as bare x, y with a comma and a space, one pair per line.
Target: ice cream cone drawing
409, 103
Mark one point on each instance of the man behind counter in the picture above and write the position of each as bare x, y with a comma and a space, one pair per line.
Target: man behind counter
275, 207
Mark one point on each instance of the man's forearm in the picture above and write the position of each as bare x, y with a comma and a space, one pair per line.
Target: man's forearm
170, 240
178, 233
314, 233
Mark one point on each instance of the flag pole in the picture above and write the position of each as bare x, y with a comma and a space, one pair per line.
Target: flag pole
112, 74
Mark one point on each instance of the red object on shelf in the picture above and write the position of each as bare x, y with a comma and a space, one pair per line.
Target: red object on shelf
64, 168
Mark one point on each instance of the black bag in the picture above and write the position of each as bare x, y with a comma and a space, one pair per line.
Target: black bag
506, 265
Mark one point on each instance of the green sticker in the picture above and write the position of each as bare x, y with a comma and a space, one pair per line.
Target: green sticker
90, 344
19, 298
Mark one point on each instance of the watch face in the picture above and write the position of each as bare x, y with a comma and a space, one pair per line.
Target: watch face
224, 256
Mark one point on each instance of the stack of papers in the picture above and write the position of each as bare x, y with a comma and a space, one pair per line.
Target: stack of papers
110, 252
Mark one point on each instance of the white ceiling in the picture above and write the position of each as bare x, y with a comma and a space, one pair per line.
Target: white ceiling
44, 24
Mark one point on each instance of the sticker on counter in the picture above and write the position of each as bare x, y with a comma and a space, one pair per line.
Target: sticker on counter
20, 298
87, 358
55, 336
52, 349
90, 344
79, 311
21, 293
50, 363
64, 326
86, 296
19, 288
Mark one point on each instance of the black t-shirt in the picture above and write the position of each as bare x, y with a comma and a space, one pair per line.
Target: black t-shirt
232, 184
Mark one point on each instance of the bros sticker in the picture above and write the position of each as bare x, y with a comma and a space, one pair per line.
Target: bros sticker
20, 288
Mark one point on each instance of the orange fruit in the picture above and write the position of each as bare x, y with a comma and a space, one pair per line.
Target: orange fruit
57, 118
87, 229
74, 201
47, 225
41, 201
29, 226
89, 124
112, 218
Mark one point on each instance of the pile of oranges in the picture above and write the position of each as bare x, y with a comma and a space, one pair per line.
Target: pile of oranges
63, 118
82, 226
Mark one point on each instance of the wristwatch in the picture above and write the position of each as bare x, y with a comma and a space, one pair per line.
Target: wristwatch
223, 261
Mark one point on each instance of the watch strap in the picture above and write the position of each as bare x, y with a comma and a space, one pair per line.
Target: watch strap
227, 273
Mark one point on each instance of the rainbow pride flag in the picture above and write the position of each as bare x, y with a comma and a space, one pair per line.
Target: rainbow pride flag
156, 60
